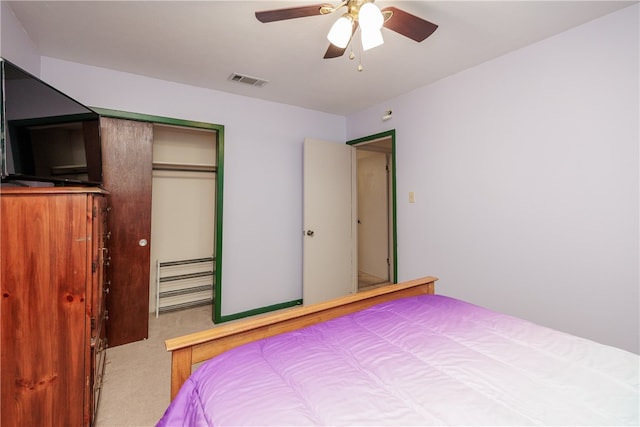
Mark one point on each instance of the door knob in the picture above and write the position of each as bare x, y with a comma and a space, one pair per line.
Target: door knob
309, 233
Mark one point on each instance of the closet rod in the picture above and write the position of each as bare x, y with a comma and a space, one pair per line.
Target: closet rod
160, 166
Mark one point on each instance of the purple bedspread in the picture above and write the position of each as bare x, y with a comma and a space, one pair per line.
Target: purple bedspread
427, 360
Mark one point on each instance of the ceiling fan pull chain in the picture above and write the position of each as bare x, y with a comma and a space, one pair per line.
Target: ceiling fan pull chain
360, 50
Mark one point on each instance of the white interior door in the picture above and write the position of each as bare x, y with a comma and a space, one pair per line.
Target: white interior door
329, 221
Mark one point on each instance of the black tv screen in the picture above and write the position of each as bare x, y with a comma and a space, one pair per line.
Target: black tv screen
46, 135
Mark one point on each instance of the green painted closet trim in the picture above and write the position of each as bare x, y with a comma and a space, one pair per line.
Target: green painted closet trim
217, 294
217, 290
390, 133
260, 310
155, 119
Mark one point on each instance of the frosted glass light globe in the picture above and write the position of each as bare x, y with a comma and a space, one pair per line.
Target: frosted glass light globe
340, 33
370, 17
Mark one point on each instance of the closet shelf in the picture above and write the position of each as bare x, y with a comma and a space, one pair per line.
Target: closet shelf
185, 276
183, 167
185, 305
187, 289
186, 261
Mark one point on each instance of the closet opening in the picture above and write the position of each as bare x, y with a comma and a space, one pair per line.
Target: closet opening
183, 218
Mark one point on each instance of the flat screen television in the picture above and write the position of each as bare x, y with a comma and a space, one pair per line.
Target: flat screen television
46, 137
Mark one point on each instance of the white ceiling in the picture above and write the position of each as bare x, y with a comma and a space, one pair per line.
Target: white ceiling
202, 43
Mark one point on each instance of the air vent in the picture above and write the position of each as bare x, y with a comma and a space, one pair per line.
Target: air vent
253, 81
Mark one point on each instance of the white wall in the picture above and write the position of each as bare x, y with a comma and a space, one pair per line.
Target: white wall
525, 171
262, 212
15, 44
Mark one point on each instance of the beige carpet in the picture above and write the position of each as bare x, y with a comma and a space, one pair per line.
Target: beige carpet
137, 375
368, 281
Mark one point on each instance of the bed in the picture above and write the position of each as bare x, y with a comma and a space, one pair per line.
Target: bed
398, 355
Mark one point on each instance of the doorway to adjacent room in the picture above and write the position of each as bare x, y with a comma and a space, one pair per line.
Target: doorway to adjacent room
375, 211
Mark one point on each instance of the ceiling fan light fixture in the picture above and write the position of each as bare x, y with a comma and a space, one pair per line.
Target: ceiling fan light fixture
370, 17
371, 39
360, 14
340, 32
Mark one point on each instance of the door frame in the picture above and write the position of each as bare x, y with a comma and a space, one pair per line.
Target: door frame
394, 232
219, 129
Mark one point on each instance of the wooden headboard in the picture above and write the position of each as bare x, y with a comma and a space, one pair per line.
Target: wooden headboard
193, 348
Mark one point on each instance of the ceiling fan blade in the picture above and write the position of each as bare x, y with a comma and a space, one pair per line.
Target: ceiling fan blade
409, 25
335, 51
289, 13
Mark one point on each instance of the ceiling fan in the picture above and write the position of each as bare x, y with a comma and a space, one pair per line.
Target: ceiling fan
361, 14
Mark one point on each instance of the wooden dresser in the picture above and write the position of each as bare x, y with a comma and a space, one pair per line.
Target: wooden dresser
53, 269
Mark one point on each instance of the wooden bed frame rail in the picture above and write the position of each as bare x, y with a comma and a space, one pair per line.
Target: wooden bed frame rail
200, 346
